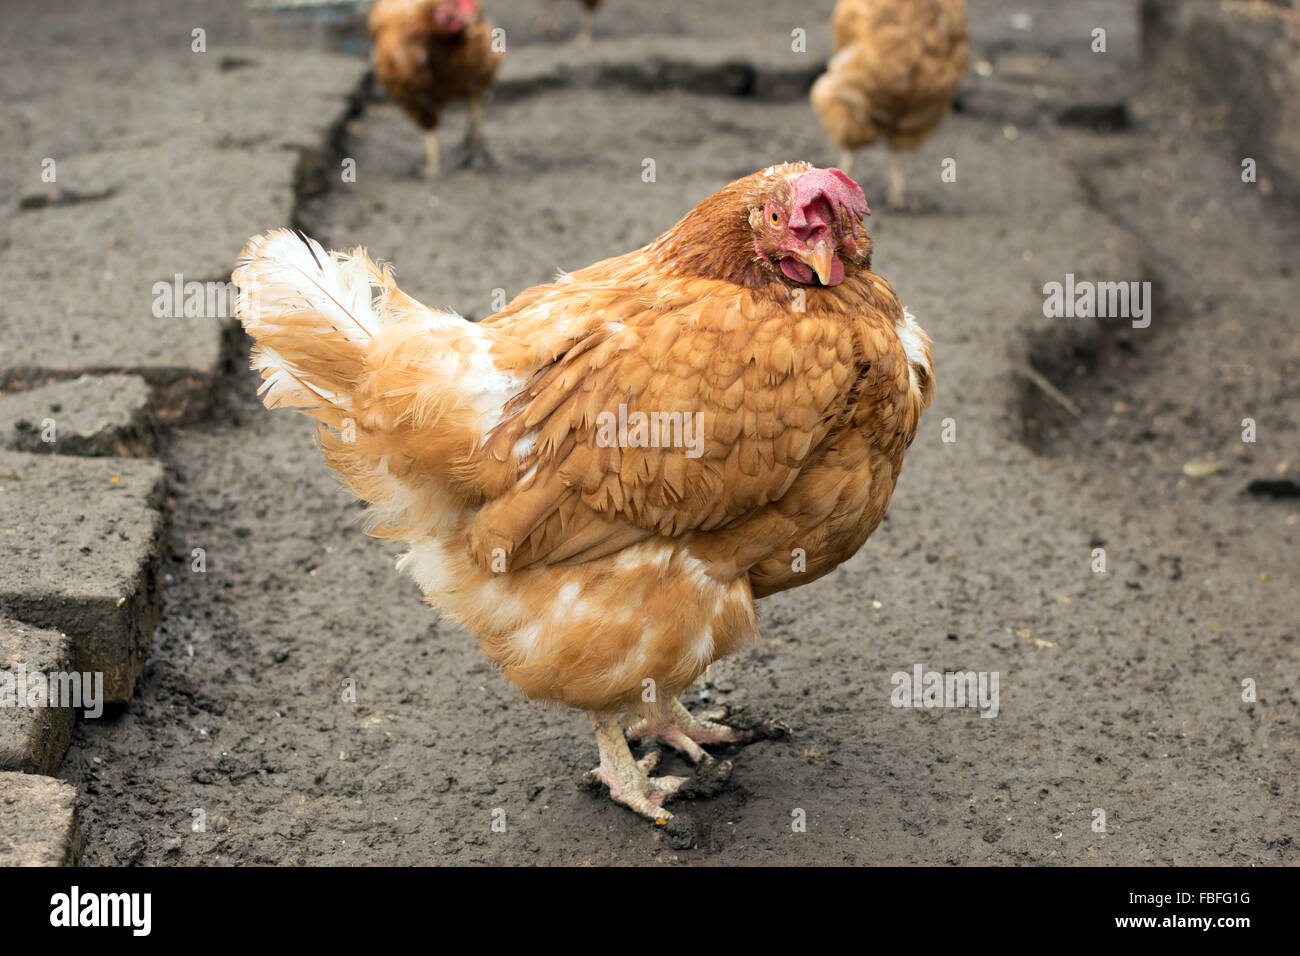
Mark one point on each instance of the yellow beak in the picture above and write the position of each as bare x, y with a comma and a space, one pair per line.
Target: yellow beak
819, 259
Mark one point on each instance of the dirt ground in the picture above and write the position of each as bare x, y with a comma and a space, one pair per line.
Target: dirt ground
1120, 691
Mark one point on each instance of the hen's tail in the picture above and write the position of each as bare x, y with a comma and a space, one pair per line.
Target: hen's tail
406, 392
312, 316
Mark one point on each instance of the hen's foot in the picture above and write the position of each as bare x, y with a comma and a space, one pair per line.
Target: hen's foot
748, 728
475, 155
685, 732
477, 159
629, 780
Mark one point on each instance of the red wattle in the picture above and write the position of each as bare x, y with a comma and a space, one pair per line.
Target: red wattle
801, 272
797, 271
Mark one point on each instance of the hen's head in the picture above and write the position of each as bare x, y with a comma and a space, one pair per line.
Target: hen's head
807, 222
453, 16
784, 227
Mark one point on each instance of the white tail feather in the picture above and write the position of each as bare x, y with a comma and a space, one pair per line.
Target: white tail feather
287, 281
317, 316
285, 269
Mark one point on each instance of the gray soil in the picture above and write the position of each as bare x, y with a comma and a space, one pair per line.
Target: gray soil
1120, 691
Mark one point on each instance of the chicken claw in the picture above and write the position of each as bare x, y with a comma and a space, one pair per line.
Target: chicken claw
747, 729
629, 780
475, 155
685, 732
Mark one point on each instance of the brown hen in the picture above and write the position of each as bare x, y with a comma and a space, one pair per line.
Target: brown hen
895, 71
600, 479
428, 53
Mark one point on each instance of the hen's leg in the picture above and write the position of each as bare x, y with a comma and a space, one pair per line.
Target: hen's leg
587, 26
896, 194
628, 779
550, 19
434, 162
846, 162
474, 145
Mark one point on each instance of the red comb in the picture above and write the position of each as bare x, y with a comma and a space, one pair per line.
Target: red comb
839, 190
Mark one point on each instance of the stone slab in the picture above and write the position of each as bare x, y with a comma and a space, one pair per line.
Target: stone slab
39, 822
81, 544
32, 739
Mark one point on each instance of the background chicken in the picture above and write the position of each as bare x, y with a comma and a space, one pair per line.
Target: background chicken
586, 21
895, 71
430, 52
604, 571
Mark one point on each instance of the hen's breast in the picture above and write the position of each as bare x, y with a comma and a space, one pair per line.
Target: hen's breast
841, 495
848, 495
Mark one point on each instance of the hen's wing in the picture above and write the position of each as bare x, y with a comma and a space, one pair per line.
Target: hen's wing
748, 387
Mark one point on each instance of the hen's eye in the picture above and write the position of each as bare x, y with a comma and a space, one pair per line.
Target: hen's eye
776, 217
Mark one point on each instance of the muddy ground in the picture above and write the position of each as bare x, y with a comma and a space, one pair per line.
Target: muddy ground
1119, 691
